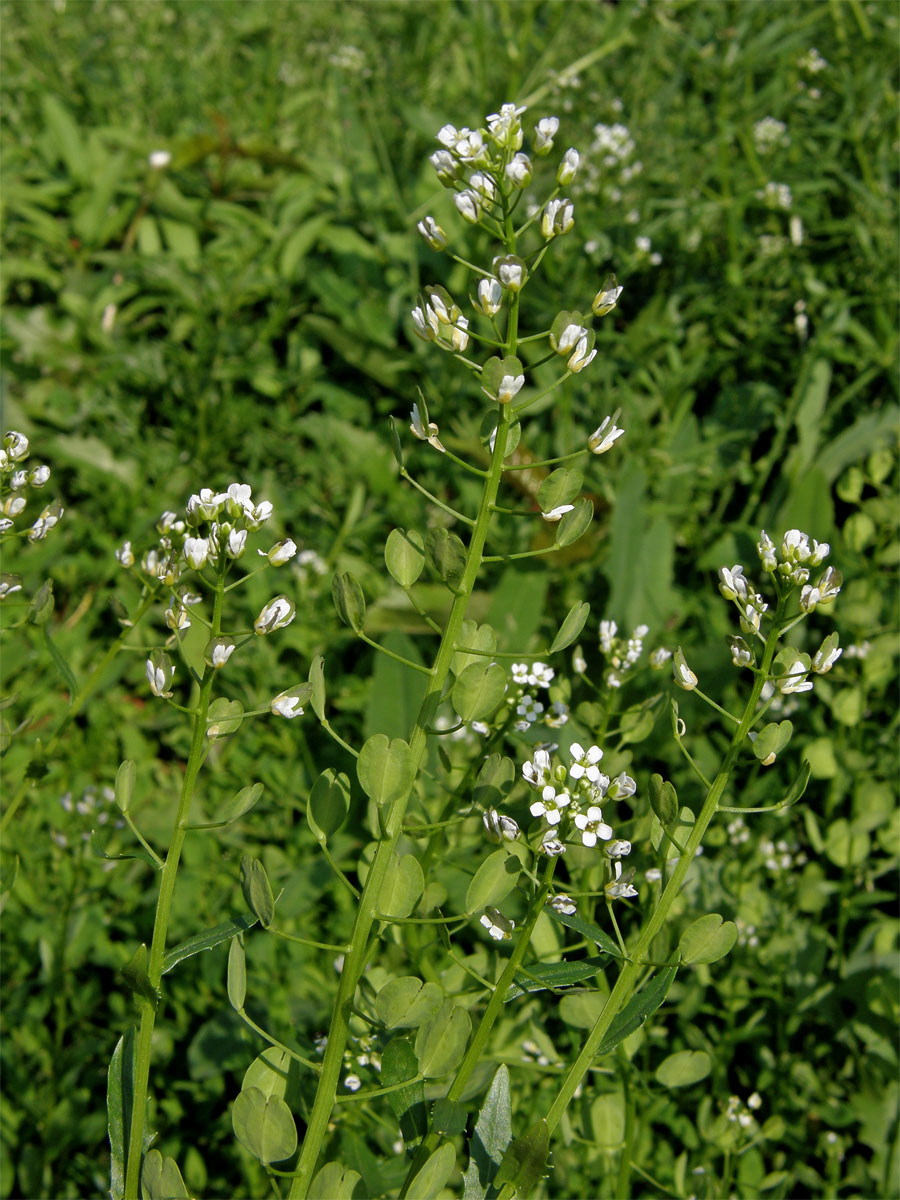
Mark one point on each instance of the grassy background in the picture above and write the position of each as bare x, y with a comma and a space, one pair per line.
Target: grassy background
261, 287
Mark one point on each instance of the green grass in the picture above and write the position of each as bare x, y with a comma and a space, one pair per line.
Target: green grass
257, 294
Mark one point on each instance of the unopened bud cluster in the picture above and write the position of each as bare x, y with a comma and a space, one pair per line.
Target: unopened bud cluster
16, 481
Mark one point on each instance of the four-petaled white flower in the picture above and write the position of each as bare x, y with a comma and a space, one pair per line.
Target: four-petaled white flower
593, 826
568, 167
287, 704
425, 433
160, 672
499, 927
684, 676
544, 133
276, 614
551, 804
537, 772
557, 514
580, 357
584, 762
604, 436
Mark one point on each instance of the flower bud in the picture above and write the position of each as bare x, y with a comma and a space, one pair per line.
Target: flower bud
582, 356
607, 298
605, 435
490, 297
558, 218
568, 168
426, 322
468, 206
499, 828
281, 552
196, 551
519, 170
432, 234
511, 271
218, 651
544, 133
499, 927
684, 676
447, 168
288, 704
9, 584
237, 543
561, 903
160, 672
38, 476
16, 445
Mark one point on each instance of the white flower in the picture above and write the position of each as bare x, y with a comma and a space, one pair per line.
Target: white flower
581, 358
537, 772
287, 704
276, 614
204, 505
606, 299
160, 672
237, 499
39, 475
622, 787
499, 927
584, 762
236, 544
490, 296
621, 887
568, 339
218, 651
618, 849
426, 322
508, 387
45, 522
733, 584
352, 1083
544, 133
551, 845
510, 270
518, 171
604, 436
568, 167
425, 433
827, 655
593, 826
505, 127
16, 445
483, 185
557, 514
659, 657
499, 828
458, 336
550, 804
158, 159
684, 676
561, 903
125, 555
13, 505
468, 206
558, 218
177, 617
432, 234
196, 551
18, 480
280, 553
9, 584
446, 166
258, 515
469, 145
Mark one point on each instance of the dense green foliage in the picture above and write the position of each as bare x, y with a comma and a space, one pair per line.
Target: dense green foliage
242, 314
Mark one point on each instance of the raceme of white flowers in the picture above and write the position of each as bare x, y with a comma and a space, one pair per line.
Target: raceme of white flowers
16, 482
211, 536
487, 169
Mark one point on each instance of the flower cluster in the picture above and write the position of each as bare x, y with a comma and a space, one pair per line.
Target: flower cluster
96, 807
770, 133
16, 480
569, 803
621, 653
528, 679
742, 1113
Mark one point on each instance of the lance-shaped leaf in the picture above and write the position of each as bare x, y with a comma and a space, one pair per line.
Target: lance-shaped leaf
492, 1135
124, 788
404, 555
329, 801
434, 1174
571, 626
707, 939
587, 929
637, 1010
574, 523
478, 691
264, 1125
317, 683
207, 940
798, 787
237, 975
541, 976
119, 1107
257, 890
349, 600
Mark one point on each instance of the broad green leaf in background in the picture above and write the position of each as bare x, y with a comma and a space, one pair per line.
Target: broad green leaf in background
430, 1180
329, 801
683, 1068
264, 1125
404, 555
707, 939
383, 768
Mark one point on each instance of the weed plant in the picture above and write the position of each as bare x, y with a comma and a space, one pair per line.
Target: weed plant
212, 278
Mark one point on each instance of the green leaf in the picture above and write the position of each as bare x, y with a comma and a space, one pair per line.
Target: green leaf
449, 1117
257, 890
492, 1134
494, 879
441, 1042
334, 1182
384, 769
299, 244
707, 939
637, 1010
525, 1161
479, 637
683, 1069
66, 136
237, 974
404, 555
124, 788
478, 691
238, 806
574, 523
495, 781
772, 739
349, 600
402, 887
541, 976
396, 690
161, 1178
264, 1126
434, 1174
571, 626
798, 787
447, 555
317, 683
135, 975
407, 1002
560, 487
207, 940
61, 665
637, 722
224, 717
398, 1063
119, 1105
846, 846
663, 800
396, 444
587, 929
275, 1073
100, 838
328, 804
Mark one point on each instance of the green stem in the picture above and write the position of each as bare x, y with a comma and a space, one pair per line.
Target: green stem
629, 976
475, 1053
196, 756
366, 912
